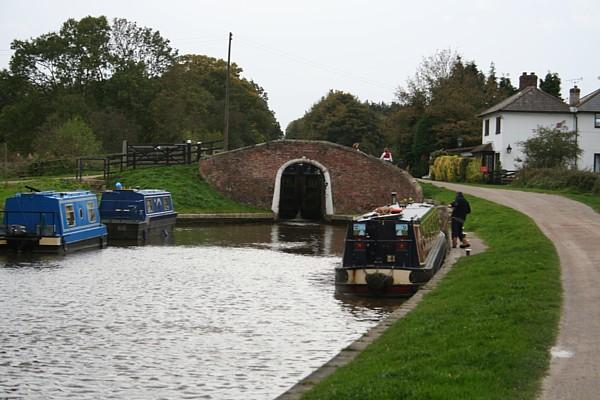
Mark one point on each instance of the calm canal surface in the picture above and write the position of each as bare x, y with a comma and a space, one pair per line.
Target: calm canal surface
221, 312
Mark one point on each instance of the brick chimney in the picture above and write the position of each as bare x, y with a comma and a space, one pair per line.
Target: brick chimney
574, 96
527, 80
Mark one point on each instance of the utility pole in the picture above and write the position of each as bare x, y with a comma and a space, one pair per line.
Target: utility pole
5, 164
226, 130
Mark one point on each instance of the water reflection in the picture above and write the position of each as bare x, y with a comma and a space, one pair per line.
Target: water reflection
290, 237
222, 312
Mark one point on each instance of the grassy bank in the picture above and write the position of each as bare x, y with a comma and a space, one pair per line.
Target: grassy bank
191, 194
41, 183
484, 333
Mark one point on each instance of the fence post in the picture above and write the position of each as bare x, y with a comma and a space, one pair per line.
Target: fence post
198, 151
188, 153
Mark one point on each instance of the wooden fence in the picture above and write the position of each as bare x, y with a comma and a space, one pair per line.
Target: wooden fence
140, 156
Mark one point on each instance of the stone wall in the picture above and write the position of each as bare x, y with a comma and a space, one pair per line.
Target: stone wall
359, 182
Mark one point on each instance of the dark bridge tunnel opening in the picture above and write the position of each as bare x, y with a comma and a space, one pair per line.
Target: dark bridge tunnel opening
302, 192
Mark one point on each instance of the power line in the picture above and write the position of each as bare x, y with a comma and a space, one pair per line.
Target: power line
313, 64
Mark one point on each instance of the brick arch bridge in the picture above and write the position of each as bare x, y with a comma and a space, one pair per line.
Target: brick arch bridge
309, 179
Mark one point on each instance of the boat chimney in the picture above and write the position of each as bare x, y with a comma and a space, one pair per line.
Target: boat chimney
394, 198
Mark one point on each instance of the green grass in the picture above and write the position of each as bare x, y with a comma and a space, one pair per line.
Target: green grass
191, 193
41, 183
483, 333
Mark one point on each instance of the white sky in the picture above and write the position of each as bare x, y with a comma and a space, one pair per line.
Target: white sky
298, 51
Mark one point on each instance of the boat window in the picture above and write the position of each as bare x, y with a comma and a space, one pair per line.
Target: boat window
70, 214
359, 229
81, 213
91, 211
401, 229
167, 203
149, 208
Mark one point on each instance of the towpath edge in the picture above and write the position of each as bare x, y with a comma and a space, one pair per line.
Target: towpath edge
347, 354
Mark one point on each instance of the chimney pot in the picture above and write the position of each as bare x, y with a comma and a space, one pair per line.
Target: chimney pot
574, 93
527, 80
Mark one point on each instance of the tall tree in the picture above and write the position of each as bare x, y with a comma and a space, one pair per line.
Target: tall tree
89, 50
340, 118
190, 104
551, 84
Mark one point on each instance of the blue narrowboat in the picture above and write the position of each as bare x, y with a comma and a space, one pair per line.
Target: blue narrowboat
393, 251
137, 214
55, 222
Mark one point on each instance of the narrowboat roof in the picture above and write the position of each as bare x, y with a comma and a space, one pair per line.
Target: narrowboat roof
143, 192
409, 212
57, 195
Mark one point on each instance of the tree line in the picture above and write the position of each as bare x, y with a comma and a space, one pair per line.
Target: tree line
435, 108
94, 83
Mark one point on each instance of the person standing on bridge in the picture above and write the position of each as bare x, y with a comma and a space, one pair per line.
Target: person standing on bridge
386, 155
460, 209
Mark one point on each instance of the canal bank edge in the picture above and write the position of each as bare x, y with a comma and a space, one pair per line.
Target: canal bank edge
346, 355
184, 219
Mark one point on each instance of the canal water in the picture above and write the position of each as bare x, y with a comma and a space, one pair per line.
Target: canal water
216, 312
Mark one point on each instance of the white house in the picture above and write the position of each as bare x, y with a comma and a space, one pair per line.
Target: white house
516, 118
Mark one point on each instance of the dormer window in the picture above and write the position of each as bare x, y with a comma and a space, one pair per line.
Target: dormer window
498, 125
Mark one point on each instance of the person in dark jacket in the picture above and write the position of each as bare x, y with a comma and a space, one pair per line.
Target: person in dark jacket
460, 209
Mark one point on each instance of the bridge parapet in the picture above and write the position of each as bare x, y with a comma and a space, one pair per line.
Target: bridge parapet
354, 182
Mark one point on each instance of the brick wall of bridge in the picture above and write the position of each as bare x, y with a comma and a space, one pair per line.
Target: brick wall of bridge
359, 182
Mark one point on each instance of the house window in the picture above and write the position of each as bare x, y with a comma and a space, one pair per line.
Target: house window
596, 162
70, 214
486, 129
91, 211
498, 126
597, 120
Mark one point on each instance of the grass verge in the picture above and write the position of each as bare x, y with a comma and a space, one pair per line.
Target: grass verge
191, 193
484, 333
41, 183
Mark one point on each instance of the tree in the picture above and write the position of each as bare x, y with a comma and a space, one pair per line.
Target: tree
74, 138
340, 118
551, 148
191, 99
89, 50
423, 145
551, 84
131, 44
445, 96
430, 72
74, 56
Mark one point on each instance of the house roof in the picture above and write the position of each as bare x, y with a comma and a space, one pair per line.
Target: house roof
481, 148
590, 103
530, 99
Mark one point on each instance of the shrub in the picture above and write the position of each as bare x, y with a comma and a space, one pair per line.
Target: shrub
450, 168
558, 178
472, 172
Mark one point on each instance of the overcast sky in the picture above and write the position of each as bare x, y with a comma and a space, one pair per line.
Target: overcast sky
298, 51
